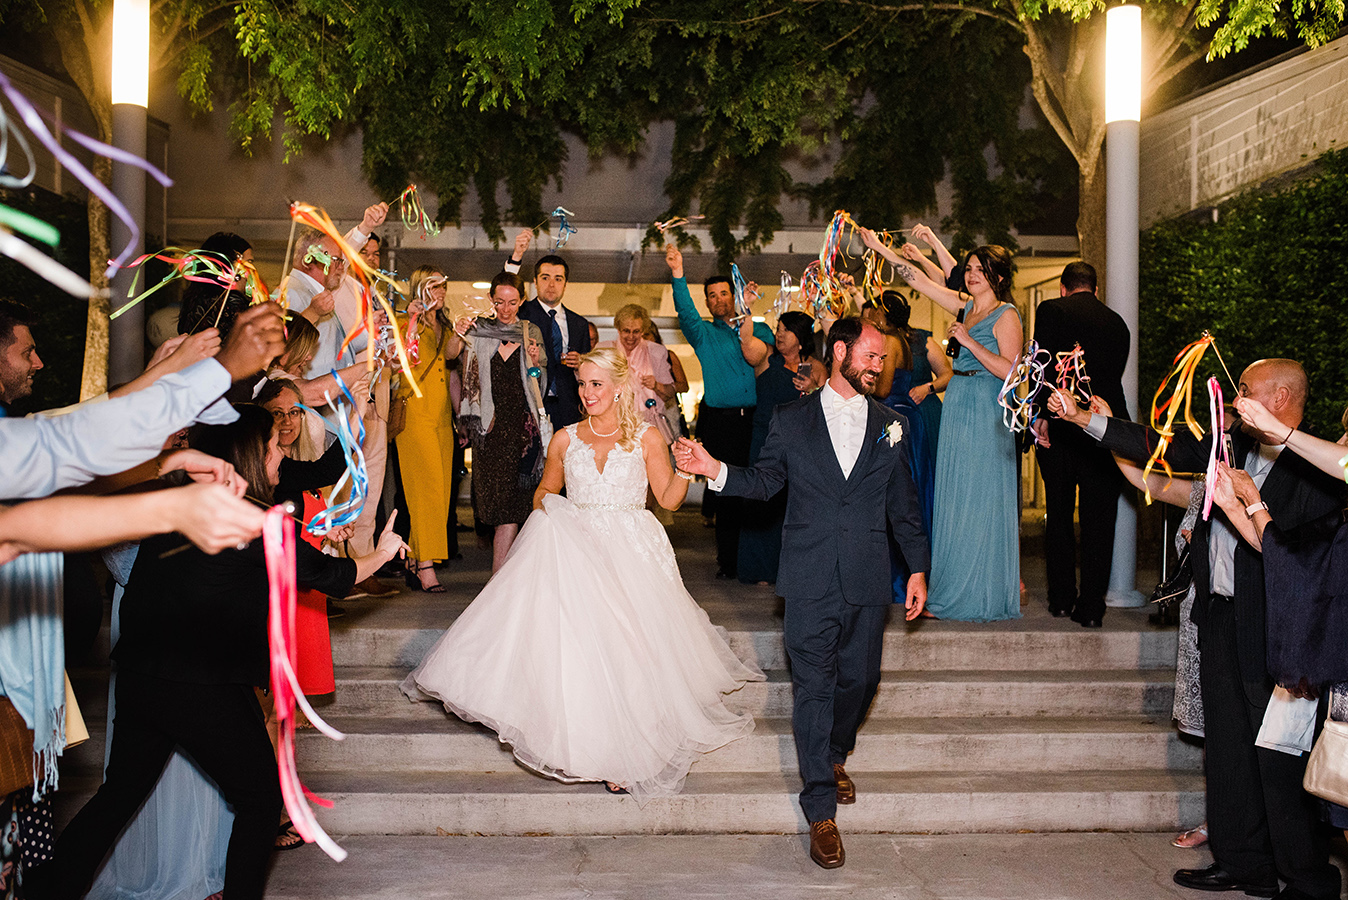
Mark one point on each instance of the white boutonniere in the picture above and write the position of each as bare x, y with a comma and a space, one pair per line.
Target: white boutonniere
893, 433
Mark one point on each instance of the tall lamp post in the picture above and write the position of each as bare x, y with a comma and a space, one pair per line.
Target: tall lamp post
1123, 109
130, 96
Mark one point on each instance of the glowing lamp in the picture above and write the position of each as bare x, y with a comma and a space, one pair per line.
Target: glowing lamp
131, 52
1123, 64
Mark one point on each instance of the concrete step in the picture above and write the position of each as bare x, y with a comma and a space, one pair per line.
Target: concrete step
884, 744
916, 694
1042, 643
518, 803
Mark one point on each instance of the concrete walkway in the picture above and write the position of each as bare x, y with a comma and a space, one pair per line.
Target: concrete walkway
744, 867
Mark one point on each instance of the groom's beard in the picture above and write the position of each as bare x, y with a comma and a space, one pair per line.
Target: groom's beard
861, 380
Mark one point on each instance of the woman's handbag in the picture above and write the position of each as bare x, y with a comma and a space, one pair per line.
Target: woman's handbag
1170, 593
1327, 769
397, 416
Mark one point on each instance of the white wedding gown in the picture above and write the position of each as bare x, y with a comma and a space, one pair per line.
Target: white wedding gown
584, 652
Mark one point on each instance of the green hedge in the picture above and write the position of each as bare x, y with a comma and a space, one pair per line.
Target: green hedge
1269, 278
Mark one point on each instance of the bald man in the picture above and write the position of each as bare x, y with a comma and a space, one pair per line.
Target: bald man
1261, 823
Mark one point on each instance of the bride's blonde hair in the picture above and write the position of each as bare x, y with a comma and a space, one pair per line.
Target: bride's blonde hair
629, 420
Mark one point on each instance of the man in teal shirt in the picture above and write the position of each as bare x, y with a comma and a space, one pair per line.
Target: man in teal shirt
725, 417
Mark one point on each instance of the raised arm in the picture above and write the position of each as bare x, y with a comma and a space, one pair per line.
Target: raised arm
914, 255
690, 322
755, 350
668, 487
951, 301
943, 257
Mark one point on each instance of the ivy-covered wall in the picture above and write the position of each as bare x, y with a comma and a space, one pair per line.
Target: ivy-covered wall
1268, 278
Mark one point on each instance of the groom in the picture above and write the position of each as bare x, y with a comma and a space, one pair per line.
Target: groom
841, 454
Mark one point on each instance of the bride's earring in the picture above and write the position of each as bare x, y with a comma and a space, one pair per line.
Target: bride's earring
615, 397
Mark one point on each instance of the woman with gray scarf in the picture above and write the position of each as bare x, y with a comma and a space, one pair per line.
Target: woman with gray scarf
502, 413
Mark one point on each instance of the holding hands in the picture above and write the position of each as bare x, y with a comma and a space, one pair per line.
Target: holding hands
690, 456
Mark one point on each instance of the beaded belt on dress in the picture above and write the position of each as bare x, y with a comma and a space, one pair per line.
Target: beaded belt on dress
611, 506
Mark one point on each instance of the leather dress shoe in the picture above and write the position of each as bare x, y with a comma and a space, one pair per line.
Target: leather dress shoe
371, 587
847, 791
1060, 613
1214, 878
826, 847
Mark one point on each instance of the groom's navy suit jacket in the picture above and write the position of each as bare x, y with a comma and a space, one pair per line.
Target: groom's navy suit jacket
835, 523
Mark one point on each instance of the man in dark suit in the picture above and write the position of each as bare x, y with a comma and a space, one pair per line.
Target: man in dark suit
1261, 823
1071, 462
566, 334
842, 455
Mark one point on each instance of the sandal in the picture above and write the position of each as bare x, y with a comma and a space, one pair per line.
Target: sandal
414, 582
1192, 839
613, 788
287, 838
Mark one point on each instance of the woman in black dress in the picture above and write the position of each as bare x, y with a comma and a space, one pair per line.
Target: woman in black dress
193, 647
504, 372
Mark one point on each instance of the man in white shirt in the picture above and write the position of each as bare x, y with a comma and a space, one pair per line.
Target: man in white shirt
321, 289
842, 455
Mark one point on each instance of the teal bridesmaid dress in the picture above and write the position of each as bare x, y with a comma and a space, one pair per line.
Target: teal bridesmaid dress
975, 540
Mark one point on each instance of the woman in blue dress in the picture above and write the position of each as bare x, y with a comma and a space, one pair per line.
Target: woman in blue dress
975, 534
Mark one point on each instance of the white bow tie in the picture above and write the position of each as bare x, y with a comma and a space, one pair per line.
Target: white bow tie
853, 404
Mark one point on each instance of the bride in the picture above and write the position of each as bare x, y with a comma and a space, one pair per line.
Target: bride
584, 652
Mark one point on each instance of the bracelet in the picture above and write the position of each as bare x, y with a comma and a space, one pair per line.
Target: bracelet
687, 476
1256, 507
1290, 432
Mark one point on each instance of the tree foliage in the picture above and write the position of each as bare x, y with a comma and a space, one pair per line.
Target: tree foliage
1269, 278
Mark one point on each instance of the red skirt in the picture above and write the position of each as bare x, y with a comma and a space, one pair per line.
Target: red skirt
313, 642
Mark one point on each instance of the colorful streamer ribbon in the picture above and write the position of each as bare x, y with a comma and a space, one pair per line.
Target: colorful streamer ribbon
415, 217
1071, 375
564, 228
366, 276
278, 542
783, 300
677, 222
1218, 451
6, 129
1180, 401
203, 266
347, 511
1020, 387
33, 119
745, 296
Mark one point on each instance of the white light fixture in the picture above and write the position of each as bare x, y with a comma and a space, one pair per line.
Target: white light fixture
131, 52
1123, 64
481, 285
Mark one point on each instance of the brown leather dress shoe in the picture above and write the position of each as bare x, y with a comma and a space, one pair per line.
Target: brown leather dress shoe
826, 847
372, 587
847, 791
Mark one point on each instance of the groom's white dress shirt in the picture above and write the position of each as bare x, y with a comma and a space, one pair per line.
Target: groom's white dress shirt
846, 421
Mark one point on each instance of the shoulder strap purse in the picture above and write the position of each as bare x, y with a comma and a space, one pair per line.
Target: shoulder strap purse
1327, 769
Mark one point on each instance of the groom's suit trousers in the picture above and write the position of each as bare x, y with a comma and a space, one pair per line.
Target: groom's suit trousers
834, 648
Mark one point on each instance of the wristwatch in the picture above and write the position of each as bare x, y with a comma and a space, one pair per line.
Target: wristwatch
1255, 507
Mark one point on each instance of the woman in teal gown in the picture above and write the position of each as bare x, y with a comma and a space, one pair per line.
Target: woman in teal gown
975, 535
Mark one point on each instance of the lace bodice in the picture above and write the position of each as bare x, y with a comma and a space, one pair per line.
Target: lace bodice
622, 485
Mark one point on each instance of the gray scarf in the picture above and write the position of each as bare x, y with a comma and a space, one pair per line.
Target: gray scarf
477, 412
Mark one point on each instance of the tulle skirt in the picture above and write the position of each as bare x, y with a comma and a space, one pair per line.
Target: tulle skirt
589, 658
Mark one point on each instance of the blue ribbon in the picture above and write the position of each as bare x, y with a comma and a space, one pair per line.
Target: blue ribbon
348, 511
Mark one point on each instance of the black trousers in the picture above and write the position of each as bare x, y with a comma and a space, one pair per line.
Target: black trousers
834, 649
1261, 823
726, 433
1074, 469
221, 726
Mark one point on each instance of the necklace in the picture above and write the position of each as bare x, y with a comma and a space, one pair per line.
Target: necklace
597, 433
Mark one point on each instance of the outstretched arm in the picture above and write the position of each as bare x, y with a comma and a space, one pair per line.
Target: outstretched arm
1324, 455
927, 236
951, 301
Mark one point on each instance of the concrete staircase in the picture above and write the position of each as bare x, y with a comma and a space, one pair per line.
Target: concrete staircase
1033, 725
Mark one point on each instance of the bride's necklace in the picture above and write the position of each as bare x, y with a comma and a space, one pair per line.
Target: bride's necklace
597, 433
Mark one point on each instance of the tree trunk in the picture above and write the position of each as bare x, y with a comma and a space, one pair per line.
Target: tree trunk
1091, 215
95, 377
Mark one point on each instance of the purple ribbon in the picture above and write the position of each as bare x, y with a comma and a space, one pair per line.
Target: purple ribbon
33, 119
